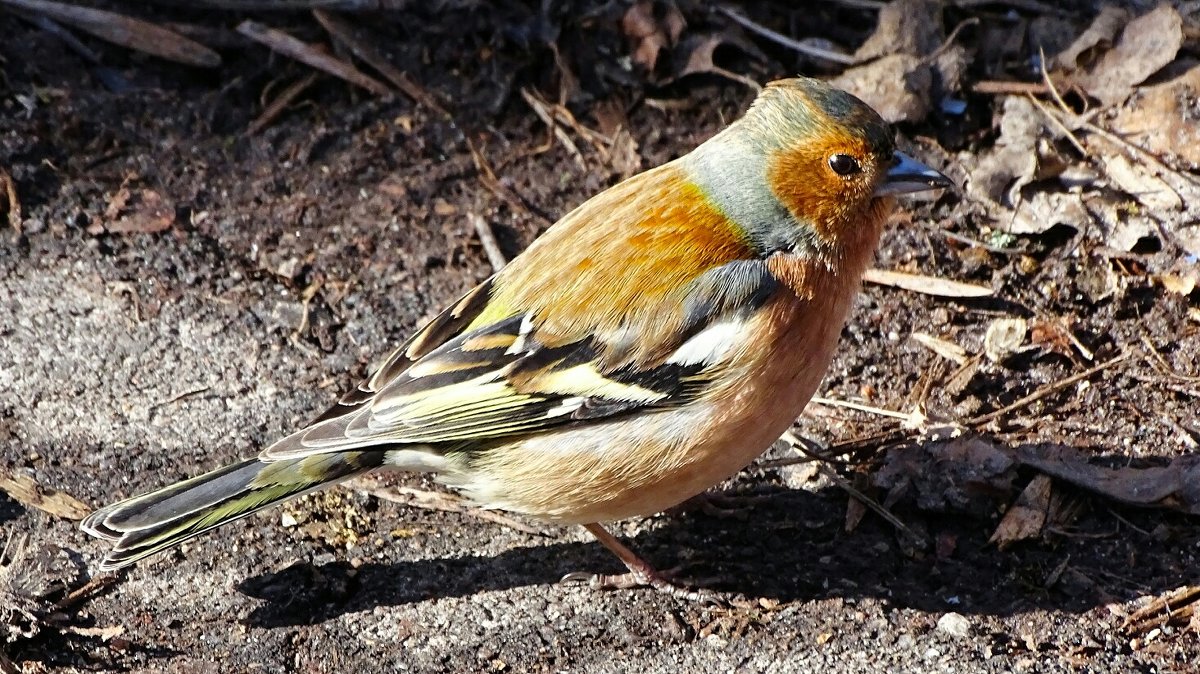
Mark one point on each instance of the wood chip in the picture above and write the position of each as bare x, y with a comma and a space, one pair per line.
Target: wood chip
125, 31
24, 490
926, 285
946, 349
1027, 517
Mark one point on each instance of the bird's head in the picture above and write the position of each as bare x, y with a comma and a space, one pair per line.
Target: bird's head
823, 155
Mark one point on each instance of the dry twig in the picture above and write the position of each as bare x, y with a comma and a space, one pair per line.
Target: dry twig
785, 41
344, 32
1044, 391
280, 103
125, 31
488, 240
291, 47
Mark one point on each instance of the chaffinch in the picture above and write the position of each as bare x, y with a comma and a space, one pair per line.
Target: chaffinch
650, 344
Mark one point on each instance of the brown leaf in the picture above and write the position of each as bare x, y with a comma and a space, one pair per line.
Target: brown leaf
964, 474
1026, 518
24, 490
651, 27
898, 86
1163, 120
144, 212
1147, 43
905, 27
1097, 39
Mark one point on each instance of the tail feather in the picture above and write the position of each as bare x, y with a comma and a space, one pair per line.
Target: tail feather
150, 523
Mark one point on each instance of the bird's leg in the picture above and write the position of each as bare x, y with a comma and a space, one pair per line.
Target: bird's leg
641, 573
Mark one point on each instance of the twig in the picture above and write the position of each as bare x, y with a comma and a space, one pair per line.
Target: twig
91, 588
125, 31
10, 196
1044, 391
1139, 152
281, 102
488, 239
540, 108
178, 397
1006, 88
949, 41
291, 47
917, 539
1058, 123
830, 402
783, 40
1165, 367
979, 244
488, 177
343, 32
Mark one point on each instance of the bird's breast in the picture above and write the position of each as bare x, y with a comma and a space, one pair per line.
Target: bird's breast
648, 462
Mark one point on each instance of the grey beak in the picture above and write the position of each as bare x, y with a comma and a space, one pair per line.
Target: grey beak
909, 175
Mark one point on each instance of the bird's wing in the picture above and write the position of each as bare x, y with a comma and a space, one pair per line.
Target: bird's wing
503, 378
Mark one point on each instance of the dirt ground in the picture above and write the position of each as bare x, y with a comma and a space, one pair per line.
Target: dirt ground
257, 276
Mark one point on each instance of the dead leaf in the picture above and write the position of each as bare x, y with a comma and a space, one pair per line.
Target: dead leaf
696, 56
1053, 334
24, 490
1026, 518
1146, 45
1163, 120
904, 27
897, 86
965, 474
944, 348
1175, 486
650, 28
145, 211
1182, 282
1012, 162
1094, 41
1137, 181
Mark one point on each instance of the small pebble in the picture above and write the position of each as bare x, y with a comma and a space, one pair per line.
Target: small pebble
954, 624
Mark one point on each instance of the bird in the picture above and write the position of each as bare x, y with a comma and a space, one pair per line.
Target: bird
651, 343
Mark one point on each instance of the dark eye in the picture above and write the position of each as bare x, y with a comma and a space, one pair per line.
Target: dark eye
844, 164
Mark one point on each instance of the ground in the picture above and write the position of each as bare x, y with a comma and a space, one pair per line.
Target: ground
288, 261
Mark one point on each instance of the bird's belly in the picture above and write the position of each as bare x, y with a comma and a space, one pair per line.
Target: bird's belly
641, 465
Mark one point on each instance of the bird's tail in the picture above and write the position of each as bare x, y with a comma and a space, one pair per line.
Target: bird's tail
150, 523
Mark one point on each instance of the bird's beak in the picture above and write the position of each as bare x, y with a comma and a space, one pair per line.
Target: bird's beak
909, 175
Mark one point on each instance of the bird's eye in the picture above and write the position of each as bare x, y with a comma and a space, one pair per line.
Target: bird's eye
844, 164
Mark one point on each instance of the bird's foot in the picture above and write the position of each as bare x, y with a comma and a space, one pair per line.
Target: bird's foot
641, 574
662, 581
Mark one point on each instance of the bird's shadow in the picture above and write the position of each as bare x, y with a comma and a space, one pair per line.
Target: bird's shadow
792, 547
